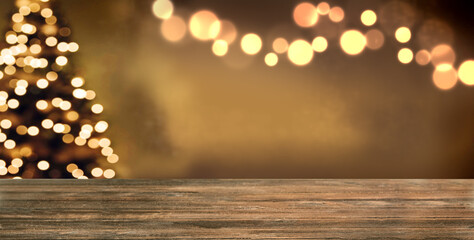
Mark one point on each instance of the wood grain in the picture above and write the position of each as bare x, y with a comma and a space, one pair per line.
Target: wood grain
237, 209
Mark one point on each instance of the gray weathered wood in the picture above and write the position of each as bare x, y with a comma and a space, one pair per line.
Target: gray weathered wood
237, 209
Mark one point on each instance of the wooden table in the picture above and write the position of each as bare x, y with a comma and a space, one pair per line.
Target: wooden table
237, 209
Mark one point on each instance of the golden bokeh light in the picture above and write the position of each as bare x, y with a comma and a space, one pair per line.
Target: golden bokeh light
63, 47
9, 144
405, 55
173, 29
22, 130
109, 173
77, 82
445, 76
163, 9
251, 43
46, 12
368, 17
319, 44
336, 14
113, 158
204, 25
403, 34
271, 59
73, 47
42, 83
101, 126
51, 76
280, 45
220, 47
97, 108
423, 57
305, 15
47, 124
43, 165
228, 31
323, 8
71, 167
72, 115
466, 72
5, 124
33, 131
300, 52
61, 60
97, 172
442, 54
17, 162
353, 42
77, 173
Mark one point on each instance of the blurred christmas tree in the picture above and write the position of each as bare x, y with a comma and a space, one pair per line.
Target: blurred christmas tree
48, 126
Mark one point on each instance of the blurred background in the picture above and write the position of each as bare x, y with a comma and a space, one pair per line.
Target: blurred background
176, 110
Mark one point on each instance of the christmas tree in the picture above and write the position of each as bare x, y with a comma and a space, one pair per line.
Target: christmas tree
49, 125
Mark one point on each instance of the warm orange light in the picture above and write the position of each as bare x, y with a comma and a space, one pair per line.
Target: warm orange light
251, 43
163, 9
319, 44
423, 57
368, 17
220, 47
173, 28
353, 42
204, 25
445, 76
300, 52
305, 15
280, 45
336, 14
466, 72
271, 59
405, 55
442, 54
228, 31
403, 34
375, 39
323, 8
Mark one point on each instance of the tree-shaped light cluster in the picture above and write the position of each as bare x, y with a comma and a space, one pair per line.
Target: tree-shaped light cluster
49, 126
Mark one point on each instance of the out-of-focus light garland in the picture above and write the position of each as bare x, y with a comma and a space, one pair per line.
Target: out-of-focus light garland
49, 126
395, 19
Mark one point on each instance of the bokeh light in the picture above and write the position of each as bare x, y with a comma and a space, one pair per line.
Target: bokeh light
323, 8
271, 59
219, 47
368, 17
319, 44
305, 15
403, 34
173, 28
300, 52
163, 9
336, 14
445, 76
251, 43
280, 45
353, 42
442, 54
228, 31
423, 57
375, 39
204, 25
466, 72
405, 55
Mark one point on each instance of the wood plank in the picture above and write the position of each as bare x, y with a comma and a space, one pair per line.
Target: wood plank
237, 209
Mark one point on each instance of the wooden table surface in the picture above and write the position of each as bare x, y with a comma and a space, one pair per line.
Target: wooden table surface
237, 209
